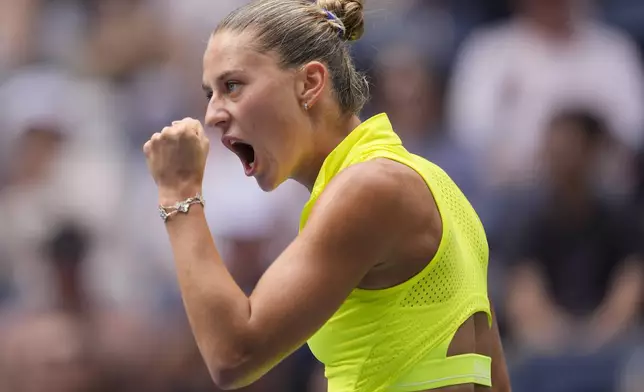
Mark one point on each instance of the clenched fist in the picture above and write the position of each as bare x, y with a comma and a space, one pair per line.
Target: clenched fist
176, 159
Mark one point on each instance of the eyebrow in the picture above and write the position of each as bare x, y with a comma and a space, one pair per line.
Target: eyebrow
222, 77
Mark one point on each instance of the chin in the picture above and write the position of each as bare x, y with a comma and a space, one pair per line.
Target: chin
265, 187
266, 183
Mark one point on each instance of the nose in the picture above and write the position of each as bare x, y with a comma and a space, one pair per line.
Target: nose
217, 117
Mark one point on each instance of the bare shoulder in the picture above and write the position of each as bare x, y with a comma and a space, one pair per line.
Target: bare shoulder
385, 197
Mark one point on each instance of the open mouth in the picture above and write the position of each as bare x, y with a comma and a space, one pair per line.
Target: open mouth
246, 154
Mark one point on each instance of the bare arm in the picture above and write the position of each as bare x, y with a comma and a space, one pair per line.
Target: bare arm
241, 338
534, 317
620, 308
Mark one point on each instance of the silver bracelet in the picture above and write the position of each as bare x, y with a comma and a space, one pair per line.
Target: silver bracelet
180, 206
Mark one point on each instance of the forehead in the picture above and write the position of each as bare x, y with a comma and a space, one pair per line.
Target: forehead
234, 52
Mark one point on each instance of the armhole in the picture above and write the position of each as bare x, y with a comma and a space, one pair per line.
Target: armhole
409, 162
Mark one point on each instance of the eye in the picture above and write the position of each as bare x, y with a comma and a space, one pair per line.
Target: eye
232, 86
209, 95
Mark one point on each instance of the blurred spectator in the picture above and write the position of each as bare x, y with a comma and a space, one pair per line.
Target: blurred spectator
54, 349
97, 348
67, 252
510, 79
578, 282
80, 178
29, 212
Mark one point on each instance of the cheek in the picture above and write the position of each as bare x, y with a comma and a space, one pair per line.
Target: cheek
267, 109
273, 117
279, 146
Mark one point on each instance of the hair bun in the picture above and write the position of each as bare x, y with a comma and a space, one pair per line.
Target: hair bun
350, 12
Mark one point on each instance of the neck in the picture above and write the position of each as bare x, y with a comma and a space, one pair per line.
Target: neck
327, 139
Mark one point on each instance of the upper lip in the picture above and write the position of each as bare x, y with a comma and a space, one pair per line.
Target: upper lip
228, 141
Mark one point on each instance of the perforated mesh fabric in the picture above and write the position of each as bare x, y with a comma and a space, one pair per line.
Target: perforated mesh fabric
465, 253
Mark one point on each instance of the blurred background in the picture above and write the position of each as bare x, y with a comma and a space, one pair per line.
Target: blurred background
534, 107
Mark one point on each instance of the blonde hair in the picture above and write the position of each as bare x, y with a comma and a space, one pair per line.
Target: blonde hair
301, 31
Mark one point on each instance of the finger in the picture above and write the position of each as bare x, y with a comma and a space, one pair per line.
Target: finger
147, 147
171, 132
184, 120
155, 139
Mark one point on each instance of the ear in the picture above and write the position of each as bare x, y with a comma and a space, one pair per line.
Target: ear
312, 78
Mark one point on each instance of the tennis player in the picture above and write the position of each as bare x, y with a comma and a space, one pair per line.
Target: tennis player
387, 280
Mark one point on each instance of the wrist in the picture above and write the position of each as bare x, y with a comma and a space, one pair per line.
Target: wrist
169, 197
180, 207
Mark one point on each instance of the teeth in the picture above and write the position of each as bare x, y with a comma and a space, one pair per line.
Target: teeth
252, 164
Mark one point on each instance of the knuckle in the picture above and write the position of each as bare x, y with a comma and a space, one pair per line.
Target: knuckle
174, 134
168, 131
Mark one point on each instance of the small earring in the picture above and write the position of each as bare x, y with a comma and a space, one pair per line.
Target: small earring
306, 106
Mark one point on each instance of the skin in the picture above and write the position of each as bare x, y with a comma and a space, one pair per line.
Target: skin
352, 239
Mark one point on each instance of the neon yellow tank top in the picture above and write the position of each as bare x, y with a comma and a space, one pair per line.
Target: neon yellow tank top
396, 339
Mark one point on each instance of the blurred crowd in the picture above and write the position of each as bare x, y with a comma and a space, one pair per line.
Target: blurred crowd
534, 107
